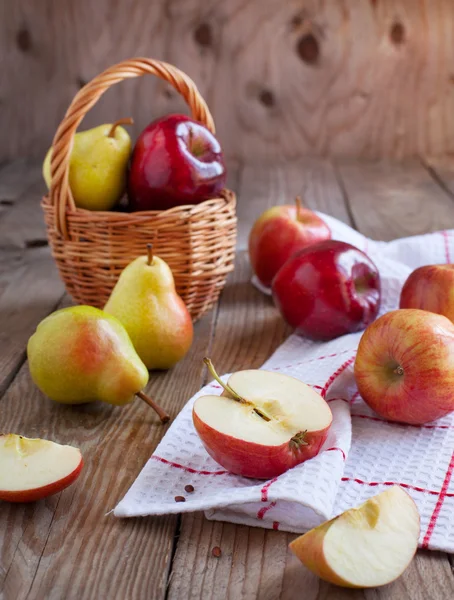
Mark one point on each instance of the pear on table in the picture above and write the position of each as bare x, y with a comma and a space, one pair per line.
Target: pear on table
31, 469
81, 354
363, 547
263, 424
144, 299
98, 166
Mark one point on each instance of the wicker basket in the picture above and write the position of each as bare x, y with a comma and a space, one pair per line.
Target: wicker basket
92, 248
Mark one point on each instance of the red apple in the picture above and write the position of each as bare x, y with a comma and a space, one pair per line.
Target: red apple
364, 547
404, 367
328, 290
263, 424
31, 469
430, 288
175, 161
280, 232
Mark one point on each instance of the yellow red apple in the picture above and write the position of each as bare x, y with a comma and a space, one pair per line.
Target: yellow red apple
404, 367
280, 232
31, 469
263, 424
364, 547
430, 288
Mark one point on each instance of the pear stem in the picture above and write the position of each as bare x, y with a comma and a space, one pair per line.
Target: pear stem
299, 207
232, 392
125, 121
165, 418
149, 254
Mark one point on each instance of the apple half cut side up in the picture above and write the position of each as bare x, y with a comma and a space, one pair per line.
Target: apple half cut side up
263, 424
364, 547
31, 469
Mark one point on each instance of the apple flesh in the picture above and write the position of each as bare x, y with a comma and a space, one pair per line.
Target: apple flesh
329, 289
364, 547
404, 367
31, 469
430, 288
263, 424
280, 232
175, 161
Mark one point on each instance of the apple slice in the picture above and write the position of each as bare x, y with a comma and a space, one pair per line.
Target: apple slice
263, 424
366, 546
31, 469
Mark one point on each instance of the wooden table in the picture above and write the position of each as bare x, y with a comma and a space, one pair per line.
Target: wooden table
68, 547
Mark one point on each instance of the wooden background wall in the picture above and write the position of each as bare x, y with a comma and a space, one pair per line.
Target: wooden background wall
371, 78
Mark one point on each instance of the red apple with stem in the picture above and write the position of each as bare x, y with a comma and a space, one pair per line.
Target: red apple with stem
280, 232
327, 290
404, 367
31, 469
430, 288
263, 424
175, 161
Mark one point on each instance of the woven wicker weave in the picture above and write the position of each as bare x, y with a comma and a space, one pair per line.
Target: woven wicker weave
91, 248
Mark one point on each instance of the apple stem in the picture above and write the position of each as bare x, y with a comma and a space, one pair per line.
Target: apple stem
165, 418
299, 207
232, 392
125, 121
398, 370
149, 254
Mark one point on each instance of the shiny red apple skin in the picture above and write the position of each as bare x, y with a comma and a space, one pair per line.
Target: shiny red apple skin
280, 232
44, 491
404, 367
257, 461
430, 288
175, 161
327, 290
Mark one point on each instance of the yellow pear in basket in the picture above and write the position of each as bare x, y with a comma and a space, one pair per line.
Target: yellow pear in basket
81, 354
156, 318
98, 166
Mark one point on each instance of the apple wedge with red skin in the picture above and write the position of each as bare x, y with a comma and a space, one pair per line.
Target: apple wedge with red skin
31, 469
263, 424
280, 232
327, 290
430, 288
404, 367
367, 546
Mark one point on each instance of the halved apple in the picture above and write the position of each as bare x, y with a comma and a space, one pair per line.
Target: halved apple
366, 546
263, 424
31, 469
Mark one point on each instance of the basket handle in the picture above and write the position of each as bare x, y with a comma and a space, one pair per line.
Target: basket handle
60, 193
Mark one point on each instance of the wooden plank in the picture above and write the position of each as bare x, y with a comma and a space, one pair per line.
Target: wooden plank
23, 225
367, 79
262, 187
15, 178
31, 290
249, 329
68, 546
389, 201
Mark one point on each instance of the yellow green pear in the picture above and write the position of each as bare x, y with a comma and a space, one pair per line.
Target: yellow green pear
81, 354
98, 166
155, 317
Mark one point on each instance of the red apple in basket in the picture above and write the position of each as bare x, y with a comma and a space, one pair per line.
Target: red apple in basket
430, 288
328, 290
175, 161
280, 232
364, 547
404, 367
263, 424
31, 469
